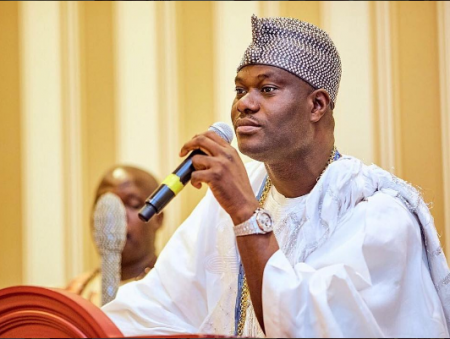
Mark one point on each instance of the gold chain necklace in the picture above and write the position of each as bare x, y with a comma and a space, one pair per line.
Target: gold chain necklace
330, 160
244, 302
245, 292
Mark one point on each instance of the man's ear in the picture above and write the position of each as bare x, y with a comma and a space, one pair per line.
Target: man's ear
159, 219
321, 100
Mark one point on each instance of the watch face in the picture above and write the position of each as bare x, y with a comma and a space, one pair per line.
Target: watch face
264, 221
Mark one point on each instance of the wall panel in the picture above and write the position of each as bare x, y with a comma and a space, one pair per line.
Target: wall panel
196, 74
309, 11
97, 59
42, 144
419, 101
11, 201
349, 26
137, 120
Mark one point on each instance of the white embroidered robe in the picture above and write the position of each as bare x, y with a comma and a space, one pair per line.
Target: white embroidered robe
352, 263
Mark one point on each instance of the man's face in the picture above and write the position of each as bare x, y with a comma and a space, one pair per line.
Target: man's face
270, 113
140, 235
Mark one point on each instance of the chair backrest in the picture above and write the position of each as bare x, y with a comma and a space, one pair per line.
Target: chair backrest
37, 312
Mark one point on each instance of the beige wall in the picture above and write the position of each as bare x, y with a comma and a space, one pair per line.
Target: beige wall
106, 82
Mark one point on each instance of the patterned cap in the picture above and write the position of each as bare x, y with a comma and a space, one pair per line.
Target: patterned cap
297, 47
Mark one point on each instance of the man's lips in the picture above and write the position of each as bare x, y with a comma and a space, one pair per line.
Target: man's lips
247, 129
247, 126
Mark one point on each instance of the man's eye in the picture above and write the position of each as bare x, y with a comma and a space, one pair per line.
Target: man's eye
135, 204
268, 89
239, 91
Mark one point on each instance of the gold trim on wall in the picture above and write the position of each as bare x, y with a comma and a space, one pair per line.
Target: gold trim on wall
443, 12
11, 199
71, 129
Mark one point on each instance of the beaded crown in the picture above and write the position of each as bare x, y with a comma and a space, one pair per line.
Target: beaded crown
297, 47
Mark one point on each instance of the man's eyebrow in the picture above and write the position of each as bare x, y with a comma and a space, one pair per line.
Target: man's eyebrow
266, 75
133, 195
261, 76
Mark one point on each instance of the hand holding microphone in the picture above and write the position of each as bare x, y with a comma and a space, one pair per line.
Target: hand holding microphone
176, 181
212, 161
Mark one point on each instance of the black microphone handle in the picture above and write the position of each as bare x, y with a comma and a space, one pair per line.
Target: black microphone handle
170, 187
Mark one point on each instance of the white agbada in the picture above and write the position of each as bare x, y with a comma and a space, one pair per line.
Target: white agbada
351, 263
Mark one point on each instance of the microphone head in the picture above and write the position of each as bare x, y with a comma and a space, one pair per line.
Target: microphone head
110, 223
223, 130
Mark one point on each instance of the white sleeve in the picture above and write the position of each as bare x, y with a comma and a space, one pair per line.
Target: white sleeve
171, 298
174, 297
369, 280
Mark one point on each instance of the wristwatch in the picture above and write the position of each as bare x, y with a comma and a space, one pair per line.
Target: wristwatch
259, 223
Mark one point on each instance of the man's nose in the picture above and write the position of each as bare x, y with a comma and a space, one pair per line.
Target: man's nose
248, 103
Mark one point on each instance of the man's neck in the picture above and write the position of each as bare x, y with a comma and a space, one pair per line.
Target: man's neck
138, 268
298, 176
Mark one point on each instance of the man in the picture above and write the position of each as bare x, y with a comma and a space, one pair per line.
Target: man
328, 248
132, 185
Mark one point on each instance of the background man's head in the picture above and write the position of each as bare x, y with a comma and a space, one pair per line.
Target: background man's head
133, 185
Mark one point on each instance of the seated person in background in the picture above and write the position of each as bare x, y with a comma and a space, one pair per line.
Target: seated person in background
132, 185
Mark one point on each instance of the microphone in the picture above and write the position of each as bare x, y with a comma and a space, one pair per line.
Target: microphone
176, 181
110, 235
